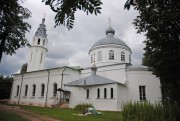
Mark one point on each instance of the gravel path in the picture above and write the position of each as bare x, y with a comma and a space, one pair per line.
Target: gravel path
26, 114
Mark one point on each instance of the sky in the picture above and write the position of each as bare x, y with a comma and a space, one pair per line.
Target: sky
70, 48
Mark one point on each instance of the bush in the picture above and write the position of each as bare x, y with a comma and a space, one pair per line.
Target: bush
145, 111
83, 107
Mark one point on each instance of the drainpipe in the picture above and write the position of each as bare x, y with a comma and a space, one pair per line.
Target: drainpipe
47, 88
62, 76
20, 89
62, 80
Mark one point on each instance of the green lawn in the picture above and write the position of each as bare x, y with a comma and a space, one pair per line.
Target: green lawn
8, 116
67, 114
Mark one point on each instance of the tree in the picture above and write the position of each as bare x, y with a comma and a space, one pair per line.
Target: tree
12, 26
5, 87
24, 68
66, 9
159, 20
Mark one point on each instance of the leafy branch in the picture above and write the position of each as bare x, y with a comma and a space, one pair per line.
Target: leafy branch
65, 10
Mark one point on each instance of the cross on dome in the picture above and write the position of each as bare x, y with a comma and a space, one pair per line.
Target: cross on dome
109, 22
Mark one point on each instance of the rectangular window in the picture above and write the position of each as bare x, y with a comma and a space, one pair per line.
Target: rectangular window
142, 93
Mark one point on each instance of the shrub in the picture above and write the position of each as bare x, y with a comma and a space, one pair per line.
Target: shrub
83, 107
146, 111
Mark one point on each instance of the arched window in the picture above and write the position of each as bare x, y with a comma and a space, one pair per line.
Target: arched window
17, 92
129, 58
91, 58
43, 42
26, 90
98, 93
42, 89
122, 56
111, 55
34, 90
41, 57
105, 93
55, 89
38, 41
87, 93
112, 93
99, 56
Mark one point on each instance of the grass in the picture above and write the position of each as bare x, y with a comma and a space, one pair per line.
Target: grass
8, 116
67, 114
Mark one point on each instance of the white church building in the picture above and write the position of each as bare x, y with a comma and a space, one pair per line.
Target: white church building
107, 84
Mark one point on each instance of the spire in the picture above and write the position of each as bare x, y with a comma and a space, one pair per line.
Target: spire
41, 31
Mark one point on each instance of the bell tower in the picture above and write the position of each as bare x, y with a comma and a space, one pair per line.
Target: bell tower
38, 49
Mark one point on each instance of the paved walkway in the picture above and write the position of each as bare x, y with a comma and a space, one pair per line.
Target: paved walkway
26, 114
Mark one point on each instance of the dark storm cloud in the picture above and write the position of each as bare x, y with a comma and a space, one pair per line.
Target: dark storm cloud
12, 64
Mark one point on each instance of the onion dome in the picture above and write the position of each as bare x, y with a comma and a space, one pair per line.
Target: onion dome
110, 30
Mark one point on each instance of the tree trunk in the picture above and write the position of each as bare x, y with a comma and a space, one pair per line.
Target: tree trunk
3, 40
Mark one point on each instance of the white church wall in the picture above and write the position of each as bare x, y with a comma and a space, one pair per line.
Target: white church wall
143, 78
17, 81
113, 72
56, 77
122, 96
71, 75
78, 96
37, 78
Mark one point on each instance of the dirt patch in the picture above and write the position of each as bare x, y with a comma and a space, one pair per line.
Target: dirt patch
26, 114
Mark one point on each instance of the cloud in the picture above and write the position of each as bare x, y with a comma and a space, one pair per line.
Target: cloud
72, 47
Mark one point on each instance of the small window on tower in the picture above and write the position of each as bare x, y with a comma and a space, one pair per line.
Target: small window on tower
111, 55
31, 57
41, 57
129, 58
38, 41
44, 42
122, 56
99, 56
